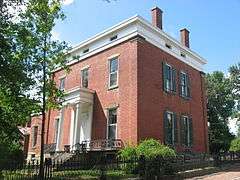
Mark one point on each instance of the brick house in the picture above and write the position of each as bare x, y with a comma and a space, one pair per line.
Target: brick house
131, 82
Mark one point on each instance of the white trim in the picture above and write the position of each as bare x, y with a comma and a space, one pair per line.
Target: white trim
113, 56
129, 28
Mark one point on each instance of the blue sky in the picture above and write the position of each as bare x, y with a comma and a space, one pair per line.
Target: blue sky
214, 24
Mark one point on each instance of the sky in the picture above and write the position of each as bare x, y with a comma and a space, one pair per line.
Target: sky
214, 24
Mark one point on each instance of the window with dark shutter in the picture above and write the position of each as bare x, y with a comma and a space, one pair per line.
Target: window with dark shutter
186, 133
170, 128
169, 78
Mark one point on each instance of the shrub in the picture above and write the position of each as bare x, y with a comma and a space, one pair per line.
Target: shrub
151, 148
153, 153
235, 145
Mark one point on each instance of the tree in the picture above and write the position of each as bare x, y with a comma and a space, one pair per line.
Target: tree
15, 81
235, 78
220, 108
44, 55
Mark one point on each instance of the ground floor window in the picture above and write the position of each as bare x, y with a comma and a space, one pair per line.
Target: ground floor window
34, 135
112, 124
186, 131
170, 128
57, 122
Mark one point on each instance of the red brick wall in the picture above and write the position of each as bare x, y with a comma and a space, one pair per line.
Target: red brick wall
125, 96
140, 95
36, 121
153, 101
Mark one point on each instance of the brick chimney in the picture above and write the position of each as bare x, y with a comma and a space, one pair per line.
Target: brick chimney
157, 17
185, 37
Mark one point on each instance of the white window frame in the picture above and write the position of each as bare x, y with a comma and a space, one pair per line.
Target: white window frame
171, 78
188, 129
109, 72
116, 136
56, 137
60, 80
185, 86
85, 68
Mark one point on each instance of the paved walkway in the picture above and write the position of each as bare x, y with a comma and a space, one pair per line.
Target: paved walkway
231, 174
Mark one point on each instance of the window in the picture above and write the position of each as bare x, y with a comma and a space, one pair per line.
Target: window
183, 55
84, 74
56, 130
34, 135
184, 85
113, 38
170, 128
62, 84
168, 46
85, 51
169, 78
112, 123
113, 73
186, 135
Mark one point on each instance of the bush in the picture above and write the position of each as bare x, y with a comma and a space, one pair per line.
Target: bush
153, 153
151, 149
235, 145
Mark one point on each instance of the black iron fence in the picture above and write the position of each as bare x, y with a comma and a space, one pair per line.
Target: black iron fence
102, 162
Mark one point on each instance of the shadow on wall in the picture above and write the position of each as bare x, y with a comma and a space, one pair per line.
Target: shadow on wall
99, 125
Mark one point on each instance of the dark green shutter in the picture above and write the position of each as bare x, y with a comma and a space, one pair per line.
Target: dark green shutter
166, 128
174, 76
188, 85
175, 128
182, 131
164, 75
190, 132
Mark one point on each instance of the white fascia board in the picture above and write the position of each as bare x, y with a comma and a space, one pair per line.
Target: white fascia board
129, 28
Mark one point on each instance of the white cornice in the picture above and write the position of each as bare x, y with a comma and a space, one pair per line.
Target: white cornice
129, 28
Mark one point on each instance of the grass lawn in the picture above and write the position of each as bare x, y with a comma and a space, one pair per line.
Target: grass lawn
91, 174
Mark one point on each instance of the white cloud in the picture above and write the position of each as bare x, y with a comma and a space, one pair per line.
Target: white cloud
67, 2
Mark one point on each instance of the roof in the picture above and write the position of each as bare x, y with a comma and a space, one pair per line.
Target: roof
129, 28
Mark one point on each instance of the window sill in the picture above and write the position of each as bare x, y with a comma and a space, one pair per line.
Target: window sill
112, 87
185, 97
170, 92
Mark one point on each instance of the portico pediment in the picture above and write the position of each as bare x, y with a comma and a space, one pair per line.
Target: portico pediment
78, 95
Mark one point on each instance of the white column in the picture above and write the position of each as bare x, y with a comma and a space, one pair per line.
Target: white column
77, 124
61, 113
73, 118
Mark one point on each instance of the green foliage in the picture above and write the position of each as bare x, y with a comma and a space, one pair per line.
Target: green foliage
151, 150
220, 108
235, 145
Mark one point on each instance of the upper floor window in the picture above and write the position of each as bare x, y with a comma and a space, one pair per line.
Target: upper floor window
84, 74
34, 135
170, 128
112, 123
186, 134
184, 85
169, 78
168, 46
113, 72
85, 50
113, 37
62, 84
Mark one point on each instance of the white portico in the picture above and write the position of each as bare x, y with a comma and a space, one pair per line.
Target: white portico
80, 101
